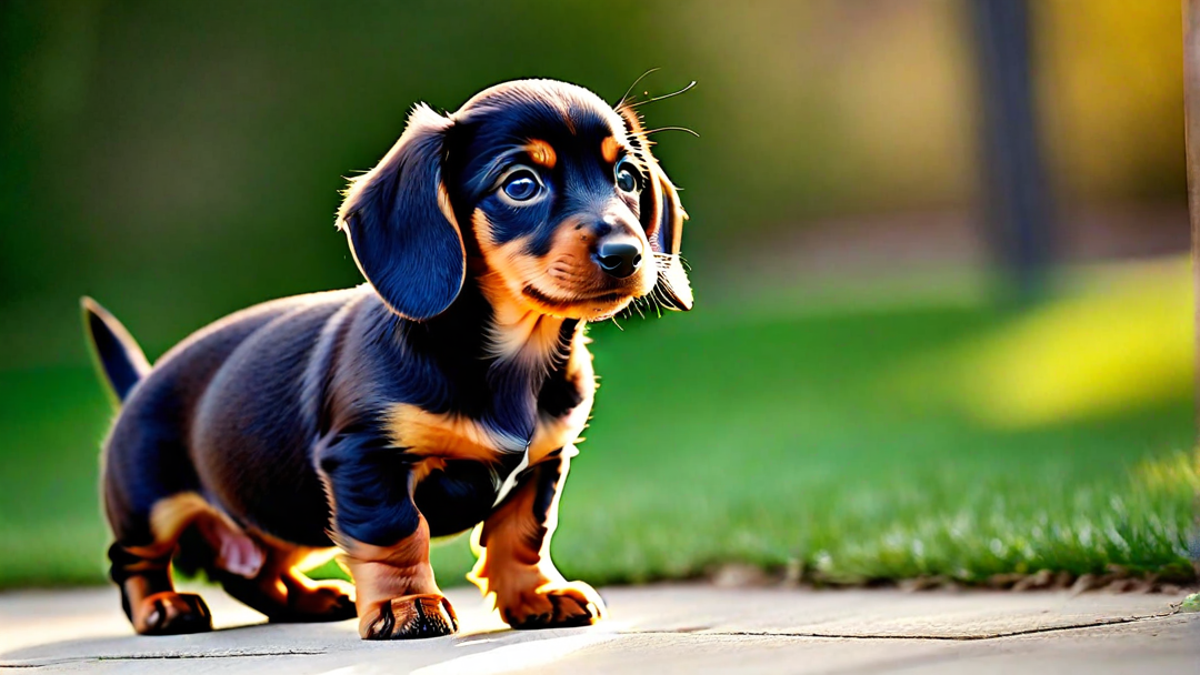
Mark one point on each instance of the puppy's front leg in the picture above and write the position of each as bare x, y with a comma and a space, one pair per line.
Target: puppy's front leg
386, 541
514, 560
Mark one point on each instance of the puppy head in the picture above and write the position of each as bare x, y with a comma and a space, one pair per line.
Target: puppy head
540, 188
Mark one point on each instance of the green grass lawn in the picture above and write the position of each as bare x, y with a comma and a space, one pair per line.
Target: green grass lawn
861, 445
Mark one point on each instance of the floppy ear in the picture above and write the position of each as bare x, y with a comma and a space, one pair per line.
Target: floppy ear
662, 219
666, 235
400, 224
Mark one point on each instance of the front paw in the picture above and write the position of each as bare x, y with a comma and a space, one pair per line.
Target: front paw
554, 606
408, 617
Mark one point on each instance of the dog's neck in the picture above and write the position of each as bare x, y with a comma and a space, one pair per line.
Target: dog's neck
512, 351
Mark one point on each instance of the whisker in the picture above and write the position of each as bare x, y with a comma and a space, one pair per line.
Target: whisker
625, 98
664, 96
655, 131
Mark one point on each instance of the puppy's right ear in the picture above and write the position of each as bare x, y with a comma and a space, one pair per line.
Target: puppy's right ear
662, 218
400, 224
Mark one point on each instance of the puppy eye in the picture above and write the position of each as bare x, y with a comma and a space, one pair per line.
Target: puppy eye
521, 185
629, 179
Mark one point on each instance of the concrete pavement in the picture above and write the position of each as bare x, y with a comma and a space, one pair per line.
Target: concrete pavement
661, 629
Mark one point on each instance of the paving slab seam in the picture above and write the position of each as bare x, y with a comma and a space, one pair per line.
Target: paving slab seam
947, 638
158, 656
921, 662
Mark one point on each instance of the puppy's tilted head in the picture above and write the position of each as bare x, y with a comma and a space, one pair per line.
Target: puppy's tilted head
539, 189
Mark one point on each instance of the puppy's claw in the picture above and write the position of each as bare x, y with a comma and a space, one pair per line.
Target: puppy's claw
410, 617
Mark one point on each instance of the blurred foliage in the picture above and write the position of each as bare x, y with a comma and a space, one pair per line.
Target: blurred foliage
1111, 87
182, 161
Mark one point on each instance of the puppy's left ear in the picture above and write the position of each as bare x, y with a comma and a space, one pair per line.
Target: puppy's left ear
662, 219
666, 237
401, 226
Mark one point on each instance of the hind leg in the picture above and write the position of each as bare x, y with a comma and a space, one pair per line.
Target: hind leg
256, 569
149, 500
148, 596
283, 593
143, 570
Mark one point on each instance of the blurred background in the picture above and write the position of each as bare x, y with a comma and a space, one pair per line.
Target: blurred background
943, 323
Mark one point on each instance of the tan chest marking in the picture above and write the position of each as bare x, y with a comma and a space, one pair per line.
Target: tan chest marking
446, 436
438, 437
558, 432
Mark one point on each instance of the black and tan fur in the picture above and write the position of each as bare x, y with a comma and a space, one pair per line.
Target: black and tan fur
445, 393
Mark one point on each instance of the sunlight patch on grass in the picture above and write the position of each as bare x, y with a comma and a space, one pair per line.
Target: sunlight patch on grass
1176, 473
1123, 339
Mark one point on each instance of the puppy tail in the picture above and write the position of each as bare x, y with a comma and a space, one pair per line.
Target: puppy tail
113, 348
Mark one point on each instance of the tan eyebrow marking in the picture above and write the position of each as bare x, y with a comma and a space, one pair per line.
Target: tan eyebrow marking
608, 149
541, 153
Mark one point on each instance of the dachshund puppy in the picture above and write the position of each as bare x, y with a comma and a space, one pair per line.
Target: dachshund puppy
446, 392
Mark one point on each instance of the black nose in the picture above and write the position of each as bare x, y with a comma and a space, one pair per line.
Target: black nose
619, 257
